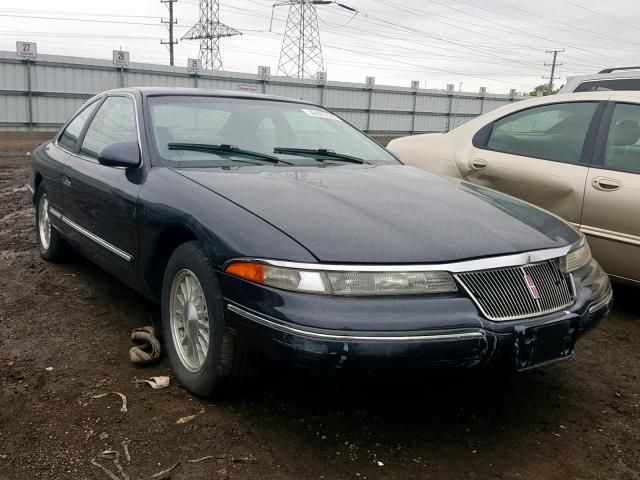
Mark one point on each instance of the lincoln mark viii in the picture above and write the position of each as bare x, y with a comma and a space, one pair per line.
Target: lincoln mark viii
269, 228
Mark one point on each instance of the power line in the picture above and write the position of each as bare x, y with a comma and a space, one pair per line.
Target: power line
600, 14
591, 33
79, 20
493, 22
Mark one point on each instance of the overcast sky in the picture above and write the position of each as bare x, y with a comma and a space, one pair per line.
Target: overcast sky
499, 44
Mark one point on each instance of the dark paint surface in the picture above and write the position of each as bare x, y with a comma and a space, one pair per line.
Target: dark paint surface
386, 213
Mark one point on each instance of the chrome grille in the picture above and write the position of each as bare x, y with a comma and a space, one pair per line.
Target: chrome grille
503, 294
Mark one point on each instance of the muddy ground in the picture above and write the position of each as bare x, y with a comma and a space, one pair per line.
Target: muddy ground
64, 338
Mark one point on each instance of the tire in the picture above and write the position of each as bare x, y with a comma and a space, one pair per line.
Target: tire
192, 308
51, 245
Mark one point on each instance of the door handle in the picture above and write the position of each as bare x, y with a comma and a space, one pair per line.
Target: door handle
606, 184
478, 163
66, 181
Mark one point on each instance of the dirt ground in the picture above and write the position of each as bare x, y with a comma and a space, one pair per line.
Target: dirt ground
64, 338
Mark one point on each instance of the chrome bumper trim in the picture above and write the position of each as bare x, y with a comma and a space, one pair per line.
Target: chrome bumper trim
348, 338
103, 243
515, 260
599, 304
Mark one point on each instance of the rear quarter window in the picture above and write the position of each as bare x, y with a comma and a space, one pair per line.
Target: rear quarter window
68, 139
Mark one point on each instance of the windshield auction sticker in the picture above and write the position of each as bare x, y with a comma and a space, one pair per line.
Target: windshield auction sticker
319, 114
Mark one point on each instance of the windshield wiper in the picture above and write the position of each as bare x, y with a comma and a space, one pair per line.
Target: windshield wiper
323, 152
231, 149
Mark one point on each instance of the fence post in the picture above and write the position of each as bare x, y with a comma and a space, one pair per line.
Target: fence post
369, 110
415, 107
450, 113
29, 97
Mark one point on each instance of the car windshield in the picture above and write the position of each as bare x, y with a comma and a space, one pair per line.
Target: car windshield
203, 131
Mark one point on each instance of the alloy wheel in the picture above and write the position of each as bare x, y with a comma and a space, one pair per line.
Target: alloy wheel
189, 320
44, 222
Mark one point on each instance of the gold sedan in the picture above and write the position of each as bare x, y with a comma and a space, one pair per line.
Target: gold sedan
576, 155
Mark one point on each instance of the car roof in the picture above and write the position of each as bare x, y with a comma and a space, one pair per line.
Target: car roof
203, 92
616, 74
634, 73
598, 95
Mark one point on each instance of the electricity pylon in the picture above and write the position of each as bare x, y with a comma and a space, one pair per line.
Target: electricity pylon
209, 31
301, 54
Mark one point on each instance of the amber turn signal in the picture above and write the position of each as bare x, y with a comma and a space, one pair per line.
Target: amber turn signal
254, 272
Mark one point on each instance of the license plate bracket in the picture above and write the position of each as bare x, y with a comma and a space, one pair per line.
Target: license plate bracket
542, 344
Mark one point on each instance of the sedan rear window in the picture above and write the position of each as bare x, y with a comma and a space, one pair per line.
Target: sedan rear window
187, 128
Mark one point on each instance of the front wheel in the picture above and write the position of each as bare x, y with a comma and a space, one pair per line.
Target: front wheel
205, 354
51, 245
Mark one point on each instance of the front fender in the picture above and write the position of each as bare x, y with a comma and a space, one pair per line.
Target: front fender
225, 229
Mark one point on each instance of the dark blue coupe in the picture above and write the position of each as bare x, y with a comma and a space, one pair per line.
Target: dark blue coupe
269, 227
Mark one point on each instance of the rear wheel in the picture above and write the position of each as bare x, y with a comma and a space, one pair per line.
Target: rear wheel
51, 245
205, 354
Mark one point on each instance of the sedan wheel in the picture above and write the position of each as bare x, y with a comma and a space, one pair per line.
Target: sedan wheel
189, 320
51, 245
44, 222
205, 353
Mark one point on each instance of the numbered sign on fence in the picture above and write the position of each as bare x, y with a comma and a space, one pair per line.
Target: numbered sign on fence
194, 65
27, 49
121, 58
264, 72
321, 78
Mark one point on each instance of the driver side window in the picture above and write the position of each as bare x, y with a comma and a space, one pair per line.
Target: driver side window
115, 122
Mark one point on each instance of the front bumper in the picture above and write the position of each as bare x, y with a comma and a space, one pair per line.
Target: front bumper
320, 333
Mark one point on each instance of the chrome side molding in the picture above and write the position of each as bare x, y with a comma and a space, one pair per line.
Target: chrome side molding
91, 236
349, 338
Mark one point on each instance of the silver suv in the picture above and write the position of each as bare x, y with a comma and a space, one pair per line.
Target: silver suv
622, 78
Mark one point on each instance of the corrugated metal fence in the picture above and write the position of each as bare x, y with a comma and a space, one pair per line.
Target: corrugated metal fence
40, 95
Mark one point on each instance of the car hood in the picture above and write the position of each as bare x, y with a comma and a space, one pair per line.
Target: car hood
386, 213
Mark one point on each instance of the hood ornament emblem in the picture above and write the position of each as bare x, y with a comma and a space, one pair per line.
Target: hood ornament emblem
533, 290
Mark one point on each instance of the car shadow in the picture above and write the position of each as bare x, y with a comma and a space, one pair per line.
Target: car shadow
625, 301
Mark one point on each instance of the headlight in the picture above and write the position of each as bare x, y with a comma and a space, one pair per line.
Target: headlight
344, 283
577, 258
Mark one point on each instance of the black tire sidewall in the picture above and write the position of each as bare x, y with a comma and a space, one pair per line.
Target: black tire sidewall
210, 377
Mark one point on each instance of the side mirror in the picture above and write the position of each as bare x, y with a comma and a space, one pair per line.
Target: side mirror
122, 154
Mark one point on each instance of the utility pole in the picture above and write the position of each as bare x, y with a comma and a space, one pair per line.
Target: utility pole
171, 23
553, 66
